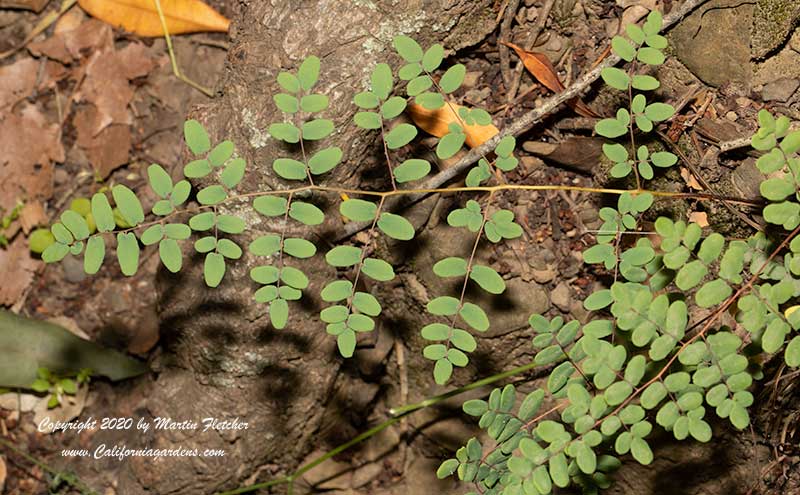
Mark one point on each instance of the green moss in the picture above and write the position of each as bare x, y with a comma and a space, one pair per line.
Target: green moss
773, 21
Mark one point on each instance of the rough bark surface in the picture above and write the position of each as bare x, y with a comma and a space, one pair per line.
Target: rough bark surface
221, 358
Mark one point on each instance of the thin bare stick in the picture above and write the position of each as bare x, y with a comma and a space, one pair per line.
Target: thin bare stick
175, 69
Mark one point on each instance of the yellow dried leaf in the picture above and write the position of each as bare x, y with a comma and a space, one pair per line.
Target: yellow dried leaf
141, 16
436, 122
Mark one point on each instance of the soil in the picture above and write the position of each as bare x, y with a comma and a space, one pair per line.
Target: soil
213, 353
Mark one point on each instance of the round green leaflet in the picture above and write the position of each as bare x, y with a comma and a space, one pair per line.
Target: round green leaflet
435, 331
265, 245
76, 224
314, 103
433, 57
266, 294
418, 85
366, 303
407, 48
358, 210
346, 341
229, 249
342, 256
450, 267
271, 206
196, 137
213, 269
623, 48
289, 168
338, 290
264, 274
230, 224
294, 277
205, 244
306, 213
102, 213
325, 160
367, 120
393, 107
177, 231
299, 248
450, 144
616, 78
611, 128
474, 316
127, 253
40, 239
396, 226
334, 314
442, 371
55, 252
202, 221
308, 73
366, 99
279, 313
411, 169
221, 153
212, 195
197, 168
488, 279
429, 100
289, 82
128, 204
452, 78
464, 341
377, 270
317, 129
289, 293
233, 173
400, 136
286, 103
94, 255
381, 81
285, 132
170, 254
152, 235
360, 322
443, 306
160, 181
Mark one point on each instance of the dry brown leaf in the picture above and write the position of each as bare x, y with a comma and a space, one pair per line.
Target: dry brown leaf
17, 81
17, 268
3, 474
688, 177
74, 44
141, 17
32, 215
30, 145
542, 69
436, 122
699, 217
70, 20
34, 5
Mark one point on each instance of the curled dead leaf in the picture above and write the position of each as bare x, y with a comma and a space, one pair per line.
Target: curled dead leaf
141, 16
436, 122
542, 69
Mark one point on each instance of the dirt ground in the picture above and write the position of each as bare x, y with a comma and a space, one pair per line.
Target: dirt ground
55, 92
